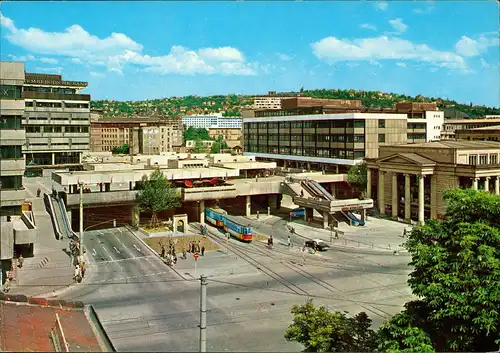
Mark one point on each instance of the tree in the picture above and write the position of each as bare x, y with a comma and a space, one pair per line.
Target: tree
357, 176
219, 145
157, 194
456, 277
123, 149
199, 147
192, 133
320, 330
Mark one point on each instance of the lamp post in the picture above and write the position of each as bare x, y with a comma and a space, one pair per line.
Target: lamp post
81, 219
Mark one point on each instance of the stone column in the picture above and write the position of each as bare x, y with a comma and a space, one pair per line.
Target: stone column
248, 207
363, 214
202, 212
421, 199
407, 198
497, 186
368, 183
381, 203
487, 184
475, 183
53, 158
433, 197
394, 196
80, 154
326, 215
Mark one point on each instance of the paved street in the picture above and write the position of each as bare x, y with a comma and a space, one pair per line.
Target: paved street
146, 306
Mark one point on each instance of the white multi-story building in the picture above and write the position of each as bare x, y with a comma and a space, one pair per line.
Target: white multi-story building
212, 121
56, 120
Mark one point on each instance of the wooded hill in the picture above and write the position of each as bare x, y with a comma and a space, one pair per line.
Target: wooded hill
231, 105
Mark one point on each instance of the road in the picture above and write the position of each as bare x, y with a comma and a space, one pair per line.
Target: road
146, 306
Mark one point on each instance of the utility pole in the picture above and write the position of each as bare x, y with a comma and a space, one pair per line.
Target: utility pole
203, 314
81, 220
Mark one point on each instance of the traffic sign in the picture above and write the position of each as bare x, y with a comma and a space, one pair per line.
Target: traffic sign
196, 256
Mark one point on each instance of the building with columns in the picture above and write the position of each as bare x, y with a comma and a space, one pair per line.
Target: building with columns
408, 181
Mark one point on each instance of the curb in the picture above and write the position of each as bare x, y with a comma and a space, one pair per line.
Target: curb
20, 298
156, 254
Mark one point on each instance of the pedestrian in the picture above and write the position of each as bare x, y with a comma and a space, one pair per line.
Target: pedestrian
38, 192
289, 241
6, 285
77, 272
20, 261
336, 234
404, 233
190, 246
202, 251
301, 193
162, 251
83, 269
184, 254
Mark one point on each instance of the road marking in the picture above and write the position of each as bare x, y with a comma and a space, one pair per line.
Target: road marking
109, 254
116, 249
123, 245
29, 192
98, 231
127, 259
94, 252
119, 230
136, 248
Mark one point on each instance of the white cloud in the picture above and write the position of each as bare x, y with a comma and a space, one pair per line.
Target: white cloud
368, 26
398, 25
375, 63
381, 5
49, 61
484, 64
28, 57
51, 70
118, 50
332, 50
400, 64
284, 57
97, 74
351, 64
470, 47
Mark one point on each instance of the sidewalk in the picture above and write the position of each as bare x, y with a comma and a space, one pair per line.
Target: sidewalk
377, 235
50, 269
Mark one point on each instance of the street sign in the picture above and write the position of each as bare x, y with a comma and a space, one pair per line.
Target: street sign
196, 256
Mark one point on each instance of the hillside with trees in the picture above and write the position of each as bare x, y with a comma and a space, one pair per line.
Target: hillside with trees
231, 105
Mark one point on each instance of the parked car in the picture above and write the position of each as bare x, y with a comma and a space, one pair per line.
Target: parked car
317, 244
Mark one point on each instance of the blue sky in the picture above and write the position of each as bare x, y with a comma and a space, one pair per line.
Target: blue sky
146, 50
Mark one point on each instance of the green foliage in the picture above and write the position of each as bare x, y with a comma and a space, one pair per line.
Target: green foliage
193, 133
157, 194
123, 149
456, 277
357, 176
219, 145
199, 147
319, 330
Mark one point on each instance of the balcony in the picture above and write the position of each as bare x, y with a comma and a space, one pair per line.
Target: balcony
56, 96
12, 137
103, 198
52, 148
8, 104
209, 193
12, 197
334, 206
57, 110
10, 167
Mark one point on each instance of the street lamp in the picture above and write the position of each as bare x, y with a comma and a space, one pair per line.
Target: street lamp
81, 218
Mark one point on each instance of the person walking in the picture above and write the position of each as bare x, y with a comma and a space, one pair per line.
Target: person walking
163, 251
20, 261
190, 246
6, 285
184, 254
77, 272
202, 251
289, 241
38, 192
83, 269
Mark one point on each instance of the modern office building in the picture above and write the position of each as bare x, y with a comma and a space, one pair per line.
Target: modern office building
12, 138
143, 134
425, 121
450, 127
56, 121
322, 141
408, 181
487, 133
212, 121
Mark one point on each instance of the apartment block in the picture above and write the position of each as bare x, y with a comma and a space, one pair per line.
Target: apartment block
233, 137
451, 126
56, 121
211, 121
322, 141
12, 138
408, 181
144, 135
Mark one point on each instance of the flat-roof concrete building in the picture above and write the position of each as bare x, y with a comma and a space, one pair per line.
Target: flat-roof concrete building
408, 181
486, 133
450, 127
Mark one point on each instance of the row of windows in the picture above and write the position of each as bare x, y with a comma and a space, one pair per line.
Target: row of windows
483, 159
415, 136
10, 152
10, 92
321, 124
50, 90
309, 138
11, 182
308, 151
56, 129
35, 104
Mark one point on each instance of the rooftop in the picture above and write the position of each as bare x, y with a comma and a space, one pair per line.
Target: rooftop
452, 144
485, 128
472, 121
27, 328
